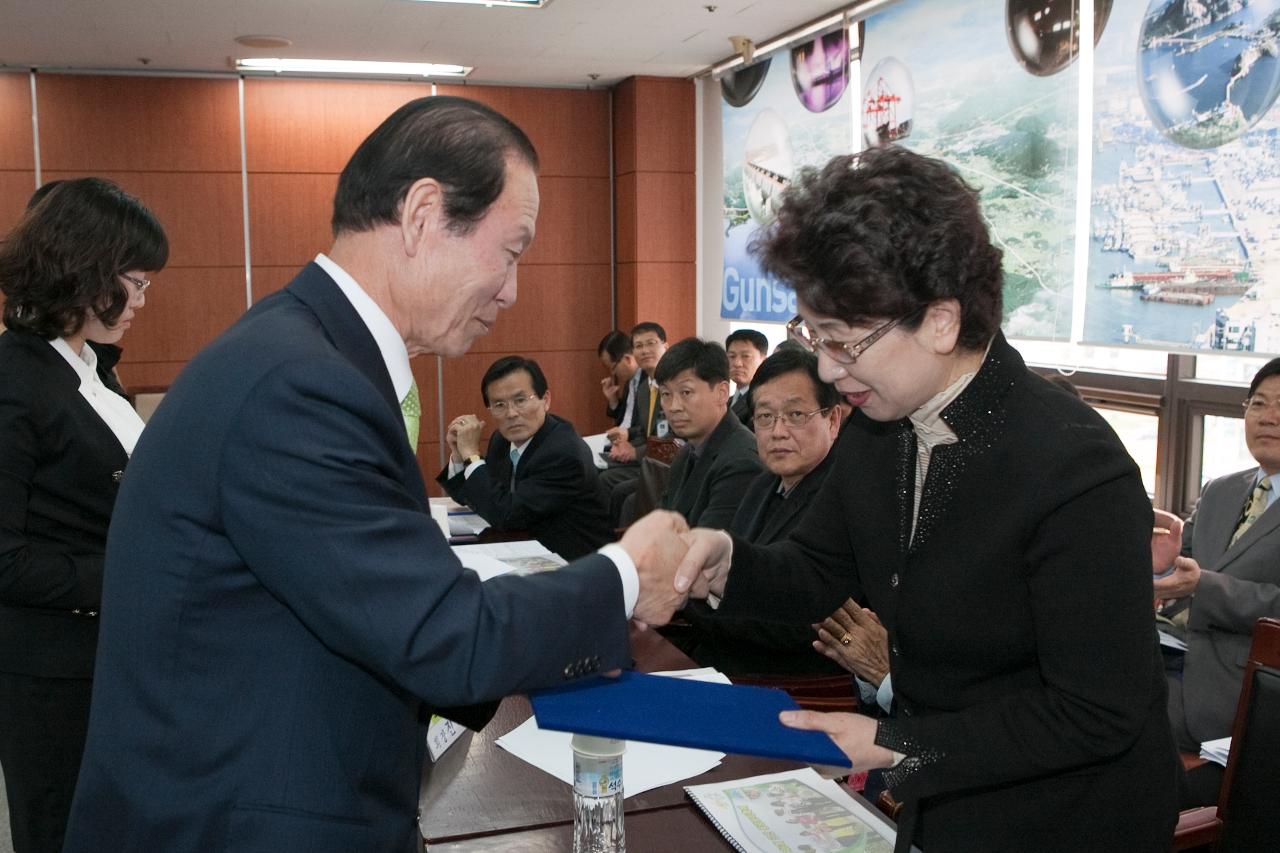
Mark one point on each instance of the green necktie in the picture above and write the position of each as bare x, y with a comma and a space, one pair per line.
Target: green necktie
411, 409
1257, 505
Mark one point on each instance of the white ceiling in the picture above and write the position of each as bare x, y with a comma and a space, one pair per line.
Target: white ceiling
559, 45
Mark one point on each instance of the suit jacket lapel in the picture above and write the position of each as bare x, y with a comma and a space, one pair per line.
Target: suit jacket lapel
1263, 527
1229, 511
344, 327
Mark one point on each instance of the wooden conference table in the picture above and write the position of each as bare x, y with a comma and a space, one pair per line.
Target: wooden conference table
479, 797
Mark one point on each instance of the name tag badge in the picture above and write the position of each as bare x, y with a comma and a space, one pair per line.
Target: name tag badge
661, 428
441, 734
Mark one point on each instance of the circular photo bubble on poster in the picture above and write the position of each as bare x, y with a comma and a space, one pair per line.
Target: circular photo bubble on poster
1043, 33
888, 103
740, 86
766, 165
820, 71
1207, 71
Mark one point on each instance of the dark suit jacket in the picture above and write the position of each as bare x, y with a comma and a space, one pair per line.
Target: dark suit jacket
557, 495
1029, 690
279, 606
1238, 585
761, 645
707, 488
742, 409
60, 466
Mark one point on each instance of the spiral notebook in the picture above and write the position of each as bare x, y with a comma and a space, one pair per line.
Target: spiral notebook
787, 811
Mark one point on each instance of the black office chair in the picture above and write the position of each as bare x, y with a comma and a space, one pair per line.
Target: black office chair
1246, 818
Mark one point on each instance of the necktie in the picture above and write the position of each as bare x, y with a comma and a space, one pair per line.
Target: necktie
653, 400
1257, 505
411, 409
515, 460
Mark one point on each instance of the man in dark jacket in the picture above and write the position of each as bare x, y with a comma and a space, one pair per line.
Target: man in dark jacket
538, 474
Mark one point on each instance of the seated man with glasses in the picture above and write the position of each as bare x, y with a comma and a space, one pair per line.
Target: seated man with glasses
718, 460
797, 418
537, 475
1228, 575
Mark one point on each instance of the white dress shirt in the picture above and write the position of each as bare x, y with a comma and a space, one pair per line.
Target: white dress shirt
114, 410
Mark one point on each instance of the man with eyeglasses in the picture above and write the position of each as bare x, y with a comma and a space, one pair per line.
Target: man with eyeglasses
1228, 575
718, 460
537, 475
797, 418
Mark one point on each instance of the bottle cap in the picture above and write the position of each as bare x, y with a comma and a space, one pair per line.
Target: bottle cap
600, 747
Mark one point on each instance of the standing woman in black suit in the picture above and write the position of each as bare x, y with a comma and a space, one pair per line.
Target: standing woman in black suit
996, 526
73, 272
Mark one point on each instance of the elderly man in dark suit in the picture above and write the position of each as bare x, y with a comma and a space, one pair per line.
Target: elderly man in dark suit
537, 475
1228, 575
280, 614
797, 419
719, 459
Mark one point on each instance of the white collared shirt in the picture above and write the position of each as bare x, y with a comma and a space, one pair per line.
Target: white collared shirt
396, 356
114, 410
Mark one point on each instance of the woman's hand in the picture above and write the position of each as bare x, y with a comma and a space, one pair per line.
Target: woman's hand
855, 734
854, 638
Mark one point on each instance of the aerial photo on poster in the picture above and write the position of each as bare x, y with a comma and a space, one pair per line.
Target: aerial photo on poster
1184, 244
992, 88
780, 114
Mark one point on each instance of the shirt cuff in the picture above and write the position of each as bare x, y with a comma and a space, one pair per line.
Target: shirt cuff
626, 573
471, 469
455, 468
884, 695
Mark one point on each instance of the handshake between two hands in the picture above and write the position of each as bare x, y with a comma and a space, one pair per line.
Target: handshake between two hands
674, 564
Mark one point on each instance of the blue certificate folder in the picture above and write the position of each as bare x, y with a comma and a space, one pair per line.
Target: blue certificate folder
683, 712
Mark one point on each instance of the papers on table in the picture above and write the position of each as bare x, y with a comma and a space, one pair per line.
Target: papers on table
1216, 750
597, 444
1172, 642
500, 558
462, 521
644, 767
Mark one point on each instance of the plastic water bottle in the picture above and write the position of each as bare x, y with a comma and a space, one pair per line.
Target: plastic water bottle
597, 795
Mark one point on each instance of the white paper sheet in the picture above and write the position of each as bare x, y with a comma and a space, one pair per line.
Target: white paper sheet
597, 444
645, 766
1171, 641
462, 521
500, 558
1216, 750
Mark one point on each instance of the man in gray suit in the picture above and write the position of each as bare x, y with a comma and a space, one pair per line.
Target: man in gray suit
1228, 574
719, 459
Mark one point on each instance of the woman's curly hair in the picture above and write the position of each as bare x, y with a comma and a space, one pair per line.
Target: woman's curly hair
881, 235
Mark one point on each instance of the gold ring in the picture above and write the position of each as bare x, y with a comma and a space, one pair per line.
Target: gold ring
844, 641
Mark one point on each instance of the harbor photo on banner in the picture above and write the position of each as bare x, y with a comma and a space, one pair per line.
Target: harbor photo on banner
1184, 243
991, 88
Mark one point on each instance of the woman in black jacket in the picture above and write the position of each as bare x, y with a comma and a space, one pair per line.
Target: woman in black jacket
994, 523
73, 271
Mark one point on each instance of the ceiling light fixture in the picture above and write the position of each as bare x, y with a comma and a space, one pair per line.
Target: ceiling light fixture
515, 4
261, 42
351, 67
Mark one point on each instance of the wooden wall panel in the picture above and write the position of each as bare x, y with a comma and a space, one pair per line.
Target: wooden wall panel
660, 293
289, 217
15, 189
573, 222
186, 308
267, 280
161, 124
315, 125
558, 307
568, 127
17, 149
202, 212
664, 121
655, 204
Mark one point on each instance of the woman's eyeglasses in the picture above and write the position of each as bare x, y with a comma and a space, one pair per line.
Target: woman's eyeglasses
141, 283
843, 352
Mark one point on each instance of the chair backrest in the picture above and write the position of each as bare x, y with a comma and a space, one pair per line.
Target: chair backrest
1249, 805
654, 474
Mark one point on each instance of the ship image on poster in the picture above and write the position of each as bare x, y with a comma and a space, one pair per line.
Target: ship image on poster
1184, 248
781, 114
990, 88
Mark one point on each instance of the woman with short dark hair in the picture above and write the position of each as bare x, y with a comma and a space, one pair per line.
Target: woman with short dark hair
73, 272
995, 525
